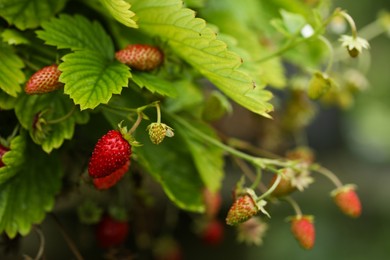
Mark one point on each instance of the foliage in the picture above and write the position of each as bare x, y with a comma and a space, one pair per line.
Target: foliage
218, 55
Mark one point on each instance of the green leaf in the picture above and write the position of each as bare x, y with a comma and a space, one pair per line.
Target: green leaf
91, 79
11, 75
6, 101
154, 84
197, 44
171, 164
26, 14
52, 106
25, 198
216, 106
189, 97
292, 22
13, 159
77, 33
207, 157
120, 10
13, 37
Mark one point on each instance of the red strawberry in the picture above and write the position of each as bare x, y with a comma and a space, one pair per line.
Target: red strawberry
303, 230
242, 209
44, 80
140, 56
3, 150
112, 152
108, 181
213, 232
347, 200
212, 201
111, 232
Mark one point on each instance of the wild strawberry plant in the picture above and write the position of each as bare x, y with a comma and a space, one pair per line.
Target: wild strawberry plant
157, 74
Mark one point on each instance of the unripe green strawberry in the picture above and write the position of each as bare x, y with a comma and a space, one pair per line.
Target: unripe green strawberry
158, 131
347, 200
108, 181
111, 153
140, 56
44, 80
303, 230
111, 232
242, 209
3, 150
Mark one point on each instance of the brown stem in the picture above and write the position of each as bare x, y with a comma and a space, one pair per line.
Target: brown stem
68, 240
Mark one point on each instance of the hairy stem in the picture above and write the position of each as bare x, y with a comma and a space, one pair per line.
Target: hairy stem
327, 173
294, 205
272, 188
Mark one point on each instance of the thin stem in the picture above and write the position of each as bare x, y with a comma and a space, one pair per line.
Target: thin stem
58, 120
125, 109
351, 23
257, 180
331, 53
371, 31
41, 245
327, 173
158, 113
137, 122
294, 205
256, 161
271, 189
68, 240
293, 43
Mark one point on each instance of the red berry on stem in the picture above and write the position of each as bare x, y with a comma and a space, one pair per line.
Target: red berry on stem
303, 230
347, 200
44, 80
140, 56
108, 181
213, 232
111, 153
111, 232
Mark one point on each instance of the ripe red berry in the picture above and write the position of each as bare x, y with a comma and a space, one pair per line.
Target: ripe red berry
111, 232
303, 230
140, 56
242, 209
108, 181
213, 232
347, 200
44, 80
112, 152
3, 150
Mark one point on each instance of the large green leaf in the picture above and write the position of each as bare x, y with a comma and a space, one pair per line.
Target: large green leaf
120, 10
11, 75
248, 17
154, 84
54, 106
77, 33
29, 194
196, 43
207, 157
91, 79
13, 159
29, 13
